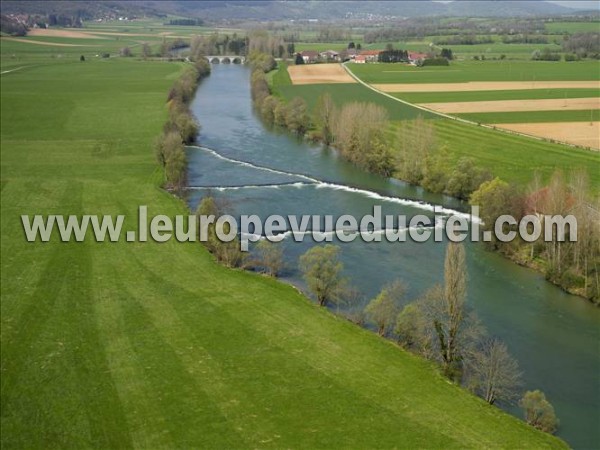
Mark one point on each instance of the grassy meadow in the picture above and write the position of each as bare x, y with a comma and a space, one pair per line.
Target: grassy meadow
149, 345
513, 158
476, 96
532, 116
465, 71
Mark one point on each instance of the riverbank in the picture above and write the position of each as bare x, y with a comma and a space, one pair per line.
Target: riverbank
586, 286
539, 323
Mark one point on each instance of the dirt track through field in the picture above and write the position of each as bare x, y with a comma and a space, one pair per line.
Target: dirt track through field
485, 86
568, 104
48, 32
54, 44
319, 74
579, 133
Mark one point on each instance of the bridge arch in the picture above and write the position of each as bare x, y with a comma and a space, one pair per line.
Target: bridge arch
225, 59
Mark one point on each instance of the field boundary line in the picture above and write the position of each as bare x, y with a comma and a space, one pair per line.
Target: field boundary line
12, 70
460, 119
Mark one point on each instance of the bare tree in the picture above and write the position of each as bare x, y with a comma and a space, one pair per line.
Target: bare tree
493, 373
455, 330
146, 50
324, 117
448, 325
227, 253
416, 139
358, 126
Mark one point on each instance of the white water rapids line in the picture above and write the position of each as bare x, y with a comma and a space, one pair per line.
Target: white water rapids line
326, 185
296, 233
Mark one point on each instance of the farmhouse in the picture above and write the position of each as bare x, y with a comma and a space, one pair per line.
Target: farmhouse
360, 59
330, 55
370, 55
415, 57
309, 56
348, 54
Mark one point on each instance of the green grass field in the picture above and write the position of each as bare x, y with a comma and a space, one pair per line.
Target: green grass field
122, 345
572, 27
513, 158
475, 96
351, 92
462, 52
425, 44
533, 116
463, 71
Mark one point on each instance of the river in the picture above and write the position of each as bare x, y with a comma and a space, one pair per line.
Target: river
554, 336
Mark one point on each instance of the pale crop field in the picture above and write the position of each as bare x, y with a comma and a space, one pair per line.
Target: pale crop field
585, 134
564, 118
319, 74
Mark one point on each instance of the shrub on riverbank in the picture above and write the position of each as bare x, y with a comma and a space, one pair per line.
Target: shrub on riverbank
181, 127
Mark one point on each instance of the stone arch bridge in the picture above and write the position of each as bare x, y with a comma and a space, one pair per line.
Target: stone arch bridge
226, 59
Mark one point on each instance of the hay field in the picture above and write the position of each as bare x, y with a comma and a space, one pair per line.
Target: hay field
319, 74
586, 134
552, 104
485, 86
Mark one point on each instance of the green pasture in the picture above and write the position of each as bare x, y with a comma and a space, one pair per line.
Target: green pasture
351, 92
513, 158
148, 345
475, 96
572, 27
464, 71
533, 116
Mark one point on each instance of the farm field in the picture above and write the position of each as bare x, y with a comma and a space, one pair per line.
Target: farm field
529, 103
475, 86
346, 93
467, 71
501, 153
586, 134
319, 74
576, 104
572, 27
155, 345
462, 52
471, 96
533, 116
467, 52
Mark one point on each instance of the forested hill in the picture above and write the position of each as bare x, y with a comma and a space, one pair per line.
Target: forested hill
287, 10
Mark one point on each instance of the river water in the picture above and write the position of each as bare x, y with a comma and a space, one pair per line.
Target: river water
554, 336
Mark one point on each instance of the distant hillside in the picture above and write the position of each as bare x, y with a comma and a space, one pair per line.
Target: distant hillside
328, 10
83, 9
287, 10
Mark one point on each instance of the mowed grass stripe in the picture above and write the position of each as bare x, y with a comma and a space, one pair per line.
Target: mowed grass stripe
102, 343
474, 71
510, 106
515, 158
473, 96
348, 93
533, 116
